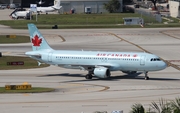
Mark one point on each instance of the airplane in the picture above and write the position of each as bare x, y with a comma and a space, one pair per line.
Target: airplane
97, 63
50, 8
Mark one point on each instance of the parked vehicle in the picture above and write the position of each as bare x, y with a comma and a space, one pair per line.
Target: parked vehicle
3, 6
20, 13
12, 6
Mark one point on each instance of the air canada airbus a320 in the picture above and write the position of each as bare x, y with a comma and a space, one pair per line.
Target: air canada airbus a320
97, 63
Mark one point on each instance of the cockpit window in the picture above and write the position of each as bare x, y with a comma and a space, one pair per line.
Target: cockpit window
158, 59
155, 59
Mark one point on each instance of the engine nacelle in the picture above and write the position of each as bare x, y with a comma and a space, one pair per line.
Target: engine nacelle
102, 72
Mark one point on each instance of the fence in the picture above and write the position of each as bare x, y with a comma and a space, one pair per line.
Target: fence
152, 15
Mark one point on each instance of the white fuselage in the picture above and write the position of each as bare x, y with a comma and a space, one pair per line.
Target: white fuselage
45, 9
55, 7
124, 61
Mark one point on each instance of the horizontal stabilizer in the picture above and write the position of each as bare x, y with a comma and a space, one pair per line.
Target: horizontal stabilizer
57, 8
32, 53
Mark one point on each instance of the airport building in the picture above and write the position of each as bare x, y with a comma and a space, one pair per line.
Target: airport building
81, 6
75, 6
174, 8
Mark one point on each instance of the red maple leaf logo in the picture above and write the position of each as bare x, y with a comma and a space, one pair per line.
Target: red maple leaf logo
36, 41
134, 55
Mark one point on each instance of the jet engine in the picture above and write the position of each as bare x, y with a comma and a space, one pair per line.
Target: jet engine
102, 72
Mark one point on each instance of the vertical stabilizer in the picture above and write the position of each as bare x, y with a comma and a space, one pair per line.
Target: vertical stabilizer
57, 4
37, 40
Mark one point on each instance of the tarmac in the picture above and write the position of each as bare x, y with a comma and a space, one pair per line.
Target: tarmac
75, 94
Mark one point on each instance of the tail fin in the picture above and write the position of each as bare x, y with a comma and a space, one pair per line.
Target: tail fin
37, 40
57, 5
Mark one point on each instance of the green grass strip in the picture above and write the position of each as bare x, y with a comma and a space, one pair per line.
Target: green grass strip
28, 63
33, 90
13, 39
77, 21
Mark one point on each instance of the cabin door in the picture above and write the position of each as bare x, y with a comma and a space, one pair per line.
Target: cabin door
142, 60
50, 57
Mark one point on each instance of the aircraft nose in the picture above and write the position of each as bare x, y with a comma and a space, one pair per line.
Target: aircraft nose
163, 65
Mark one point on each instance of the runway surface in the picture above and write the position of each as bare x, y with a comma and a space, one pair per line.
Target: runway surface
75, 94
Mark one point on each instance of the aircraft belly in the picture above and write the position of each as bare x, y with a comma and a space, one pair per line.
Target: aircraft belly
115, 68
131, 66
82, 64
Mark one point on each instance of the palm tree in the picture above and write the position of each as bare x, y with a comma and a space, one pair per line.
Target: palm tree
137, 108
175, 105
162, 107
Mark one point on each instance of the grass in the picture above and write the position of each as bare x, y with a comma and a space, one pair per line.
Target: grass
33, 90
77, 21
17, 39
28, 63
174, 20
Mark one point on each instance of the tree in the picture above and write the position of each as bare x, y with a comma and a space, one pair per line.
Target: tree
154, 2
162, 107
137, 108
112, 6
176, 105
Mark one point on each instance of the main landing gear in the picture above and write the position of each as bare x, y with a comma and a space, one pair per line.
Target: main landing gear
89, 75
146, 75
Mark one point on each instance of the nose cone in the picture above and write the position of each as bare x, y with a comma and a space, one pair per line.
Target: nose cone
163, 65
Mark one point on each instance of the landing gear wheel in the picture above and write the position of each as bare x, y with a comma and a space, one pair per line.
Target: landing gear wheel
133, 72
88, 76
146, 76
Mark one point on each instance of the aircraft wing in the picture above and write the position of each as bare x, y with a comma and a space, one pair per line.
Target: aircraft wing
83, 67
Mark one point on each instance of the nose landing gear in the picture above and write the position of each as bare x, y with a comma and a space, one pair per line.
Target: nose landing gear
146, 75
